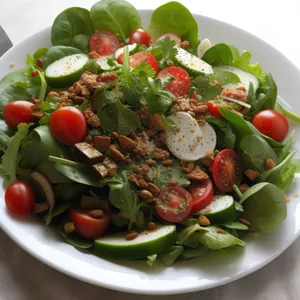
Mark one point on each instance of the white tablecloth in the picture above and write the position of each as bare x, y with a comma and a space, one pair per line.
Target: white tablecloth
24, 277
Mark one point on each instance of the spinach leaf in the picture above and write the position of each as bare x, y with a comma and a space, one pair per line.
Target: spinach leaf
176, 18
70, 192
48, 169
80, 175
10, 158
114, 115
236, 225
123, 196
72, 27
75, 239
226, 138
117, 16
215, 240
58, 52
58, 210
255, 150
190, 253
172, 255
37, 147
285, 150
244, 127
226, 77
160, 174
267, 93
205, 88
282, 175
264, 207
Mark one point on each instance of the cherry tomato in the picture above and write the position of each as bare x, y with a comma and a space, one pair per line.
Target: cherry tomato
272, 124
87, 226
68, 125
174, 204
202, 194
141, 57
213, 109
104, 42
227, 170
173, 37
140, 36
181, 83
17, 112
20, 198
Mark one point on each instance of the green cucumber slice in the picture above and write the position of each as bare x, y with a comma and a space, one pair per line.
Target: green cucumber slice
65, 71
192, 64
116, 246
220, 210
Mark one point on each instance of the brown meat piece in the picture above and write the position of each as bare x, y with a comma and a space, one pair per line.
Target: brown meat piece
100, 170
155, 123
235, 93
111, 166
126, 144
91, 118
197, 174
101, 143
87, 154
190, 105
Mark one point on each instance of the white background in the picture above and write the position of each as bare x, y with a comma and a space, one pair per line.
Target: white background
276, 22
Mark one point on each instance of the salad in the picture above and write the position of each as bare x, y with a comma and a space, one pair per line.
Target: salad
144, 143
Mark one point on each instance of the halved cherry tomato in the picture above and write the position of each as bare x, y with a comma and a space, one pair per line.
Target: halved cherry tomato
104, 42
227, 170
68, 125
17, 112
174, 204
181, 83
214, 110
87, 226
272, 124
173, 37
20, 198
142, 57
202, 194
140, 36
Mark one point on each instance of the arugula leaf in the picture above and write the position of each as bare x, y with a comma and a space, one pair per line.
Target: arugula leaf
205, 88
267, 94
10, 158
226, 138
289, 114
215, 240
164, 50
123, 196
266, 215
176, 18
160, 175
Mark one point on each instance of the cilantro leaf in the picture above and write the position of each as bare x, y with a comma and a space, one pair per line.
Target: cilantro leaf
143, 69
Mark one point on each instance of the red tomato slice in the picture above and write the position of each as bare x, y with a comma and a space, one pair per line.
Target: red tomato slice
227, 170
17, 112
68, 125
181, 84
20, 198
104, 42
202, 194
173, 37
87, 226
143, 57
140, 36
213, 109
174, 204
272, 124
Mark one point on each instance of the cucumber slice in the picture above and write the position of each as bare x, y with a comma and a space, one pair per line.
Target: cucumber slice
220, 210
65, 71
203, 47
131, 48
102, 61
192, 64
116, 246
245, 77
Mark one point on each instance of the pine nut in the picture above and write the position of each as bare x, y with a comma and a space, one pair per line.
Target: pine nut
221, 231
69, 227
269, 164
251, 174
96, 213
146, 194
244, 187
167, 162
154, 189
245, 222
287, 198
131, 235
203, 221
151, 226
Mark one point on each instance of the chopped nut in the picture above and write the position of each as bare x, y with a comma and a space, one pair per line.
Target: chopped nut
197, 174
203, 221
151, 226
142, 183
187, 167
52, 94
101, 143
150, 162
146, 194
173, 182
244, 187
245, 222
154, 189
269, 164
251, 174
77, 88
96, 213
69, 227
131, 235
93, 55
155, 123
40, 207
116, 154
208, 159
146, 169
87, 153
115, 135
161, 154
126, 144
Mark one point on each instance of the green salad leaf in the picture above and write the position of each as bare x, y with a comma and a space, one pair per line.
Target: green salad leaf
226, 77
289, 114
117, 16
264, 207
4, 140
171, 255
286, 149
72, 27
176, 18
236, 225
193, 252
151, 259
205, 88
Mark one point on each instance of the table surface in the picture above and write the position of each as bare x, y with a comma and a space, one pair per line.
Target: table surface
24, 277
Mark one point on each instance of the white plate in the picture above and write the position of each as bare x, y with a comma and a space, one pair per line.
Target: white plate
212, 269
